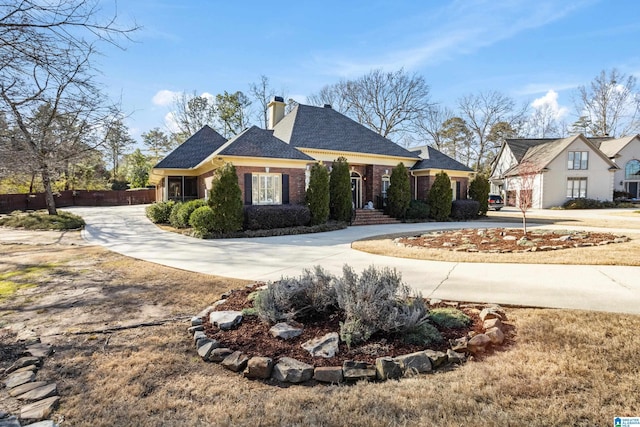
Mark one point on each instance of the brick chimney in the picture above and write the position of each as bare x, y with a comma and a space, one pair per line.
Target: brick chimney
276, 111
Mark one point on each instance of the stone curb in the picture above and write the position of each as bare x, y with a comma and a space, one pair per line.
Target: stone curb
294, 371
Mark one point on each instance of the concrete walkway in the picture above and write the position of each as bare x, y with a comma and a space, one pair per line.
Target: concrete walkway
126, 230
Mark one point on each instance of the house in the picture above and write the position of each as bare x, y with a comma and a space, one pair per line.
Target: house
273, 165
625, 152
558, 170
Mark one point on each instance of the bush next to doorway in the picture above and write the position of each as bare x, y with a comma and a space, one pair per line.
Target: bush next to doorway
399, 192
340, 201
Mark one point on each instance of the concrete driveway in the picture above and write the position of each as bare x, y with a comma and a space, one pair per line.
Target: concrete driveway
126, 230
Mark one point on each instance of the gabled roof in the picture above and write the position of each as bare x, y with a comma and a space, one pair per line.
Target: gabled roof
611, 147
520, 146
438, 160
194, 150
326, 129
257, 142
542, 154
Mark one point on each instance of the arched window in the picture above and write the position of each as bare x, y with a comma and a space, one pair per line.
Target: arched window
632, 170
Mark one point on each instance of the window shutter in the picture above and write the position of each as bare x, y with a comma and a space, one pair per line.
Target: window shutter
285, 189
247, 189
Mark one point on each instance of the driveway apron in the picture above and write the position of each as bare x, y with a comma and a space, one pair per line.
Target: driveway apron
126, 230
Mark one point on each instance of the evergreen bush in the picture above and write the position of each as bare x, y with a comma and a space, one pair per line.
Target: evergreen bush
317, 196
340, 201
440, 197
202, 220
184, 212
479, 191
399, 192
159, 212
418, 210
464, 210
449, 317
173, 216
225, 199
269, 217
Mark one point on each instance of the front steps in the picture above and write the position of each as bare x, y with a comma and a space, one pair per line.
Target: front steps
373, 217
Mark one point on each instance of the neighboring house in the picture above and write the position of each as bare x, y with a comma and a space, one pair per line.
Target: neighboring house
559, 169
625, 152
273, 165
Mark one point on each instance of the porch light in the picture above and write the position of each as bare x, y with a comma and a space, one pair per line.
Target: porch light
386, 171
266, 170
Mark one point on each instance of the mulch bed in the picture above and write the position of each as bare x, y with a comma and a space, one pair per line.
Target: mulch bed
502, 240
252, 336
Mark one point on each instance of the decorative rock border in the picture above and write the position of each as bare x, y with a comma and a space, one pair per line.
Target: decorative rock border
290, 370
20, 381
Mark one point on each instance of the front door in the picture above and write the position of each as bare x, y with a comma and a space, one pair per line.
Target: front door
633, 189
356, 190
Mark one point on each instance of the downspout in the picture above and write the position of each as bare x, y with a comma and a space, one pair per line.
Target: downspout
415, 185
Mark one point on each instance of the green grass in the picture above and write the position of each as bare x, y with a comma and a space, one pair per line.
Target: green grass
41, 220
448, 317
9, 287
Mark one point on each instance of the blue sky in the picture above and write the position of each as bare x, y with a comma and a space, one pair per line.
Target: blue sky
524, 49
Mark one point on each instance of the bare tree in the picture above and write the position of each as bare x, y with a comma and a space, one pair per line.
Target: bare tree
192, 111
430, 125
527, 173
542, 123
611, 104
46, 50
389, 103
262, 93
482, 112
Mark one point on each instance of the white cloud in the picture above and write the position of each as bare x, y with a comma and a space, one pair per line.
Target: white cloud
171, 123
550, 102
164, 97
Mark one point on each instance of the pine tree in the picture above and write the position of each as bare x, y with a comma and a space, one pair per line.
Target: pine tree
479, 191
317, 196
399, 192
340, 201
226, 200
440, 197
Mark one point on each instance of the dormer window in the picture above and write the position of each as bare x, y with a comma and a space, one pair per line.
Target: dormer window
578, 160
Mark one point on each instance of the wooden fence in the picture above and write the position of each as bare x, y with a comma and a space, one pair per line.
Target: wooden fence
34, 201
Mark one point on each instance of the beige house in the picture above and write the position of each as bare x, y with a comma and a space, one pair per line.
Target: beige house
273, 165
558, 170
625, 152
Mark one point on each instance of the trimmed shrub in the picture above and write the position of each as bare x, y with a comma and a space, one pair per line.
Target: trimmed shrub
587, 204
418, 210
340, 203
440, 197
184, 212
617, 195
479, 191
317, 196
258, 217
225, 199
376, 301
399, 193
202, 220
159, 212
300, 298
424, 335
449, 317
173, 216
462, 210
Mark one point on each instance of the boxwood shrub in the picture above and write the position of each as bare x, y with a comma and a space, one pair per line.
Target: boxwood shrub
184, 212
159, 212
202, 220
258, 217
418, 210
462, 210
587, 204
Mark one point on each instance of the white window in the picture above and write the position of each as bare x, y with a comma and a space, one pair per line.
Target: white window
385, 185
576, 188
266, 188
578, 160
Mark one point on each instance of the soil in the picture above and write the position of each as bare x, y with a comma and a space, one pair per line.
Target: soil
502, 240
252, 336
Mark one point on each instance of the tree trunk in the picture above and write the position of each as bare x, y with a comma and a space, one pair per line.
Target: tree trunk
524, 222
48, 193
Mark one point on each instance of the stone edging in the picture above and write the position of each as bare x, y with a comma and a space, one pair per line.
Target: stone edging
290, 370
20, 381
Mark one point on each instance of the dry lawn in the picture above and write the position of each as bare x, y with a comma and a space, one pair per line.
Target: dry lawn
564, 367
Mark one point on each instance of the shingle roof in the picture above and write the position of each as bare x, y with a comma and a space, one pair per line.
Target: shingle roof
439, 160
611, 147
257, 142
327, 129
194, 150
541, 155
520, 146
